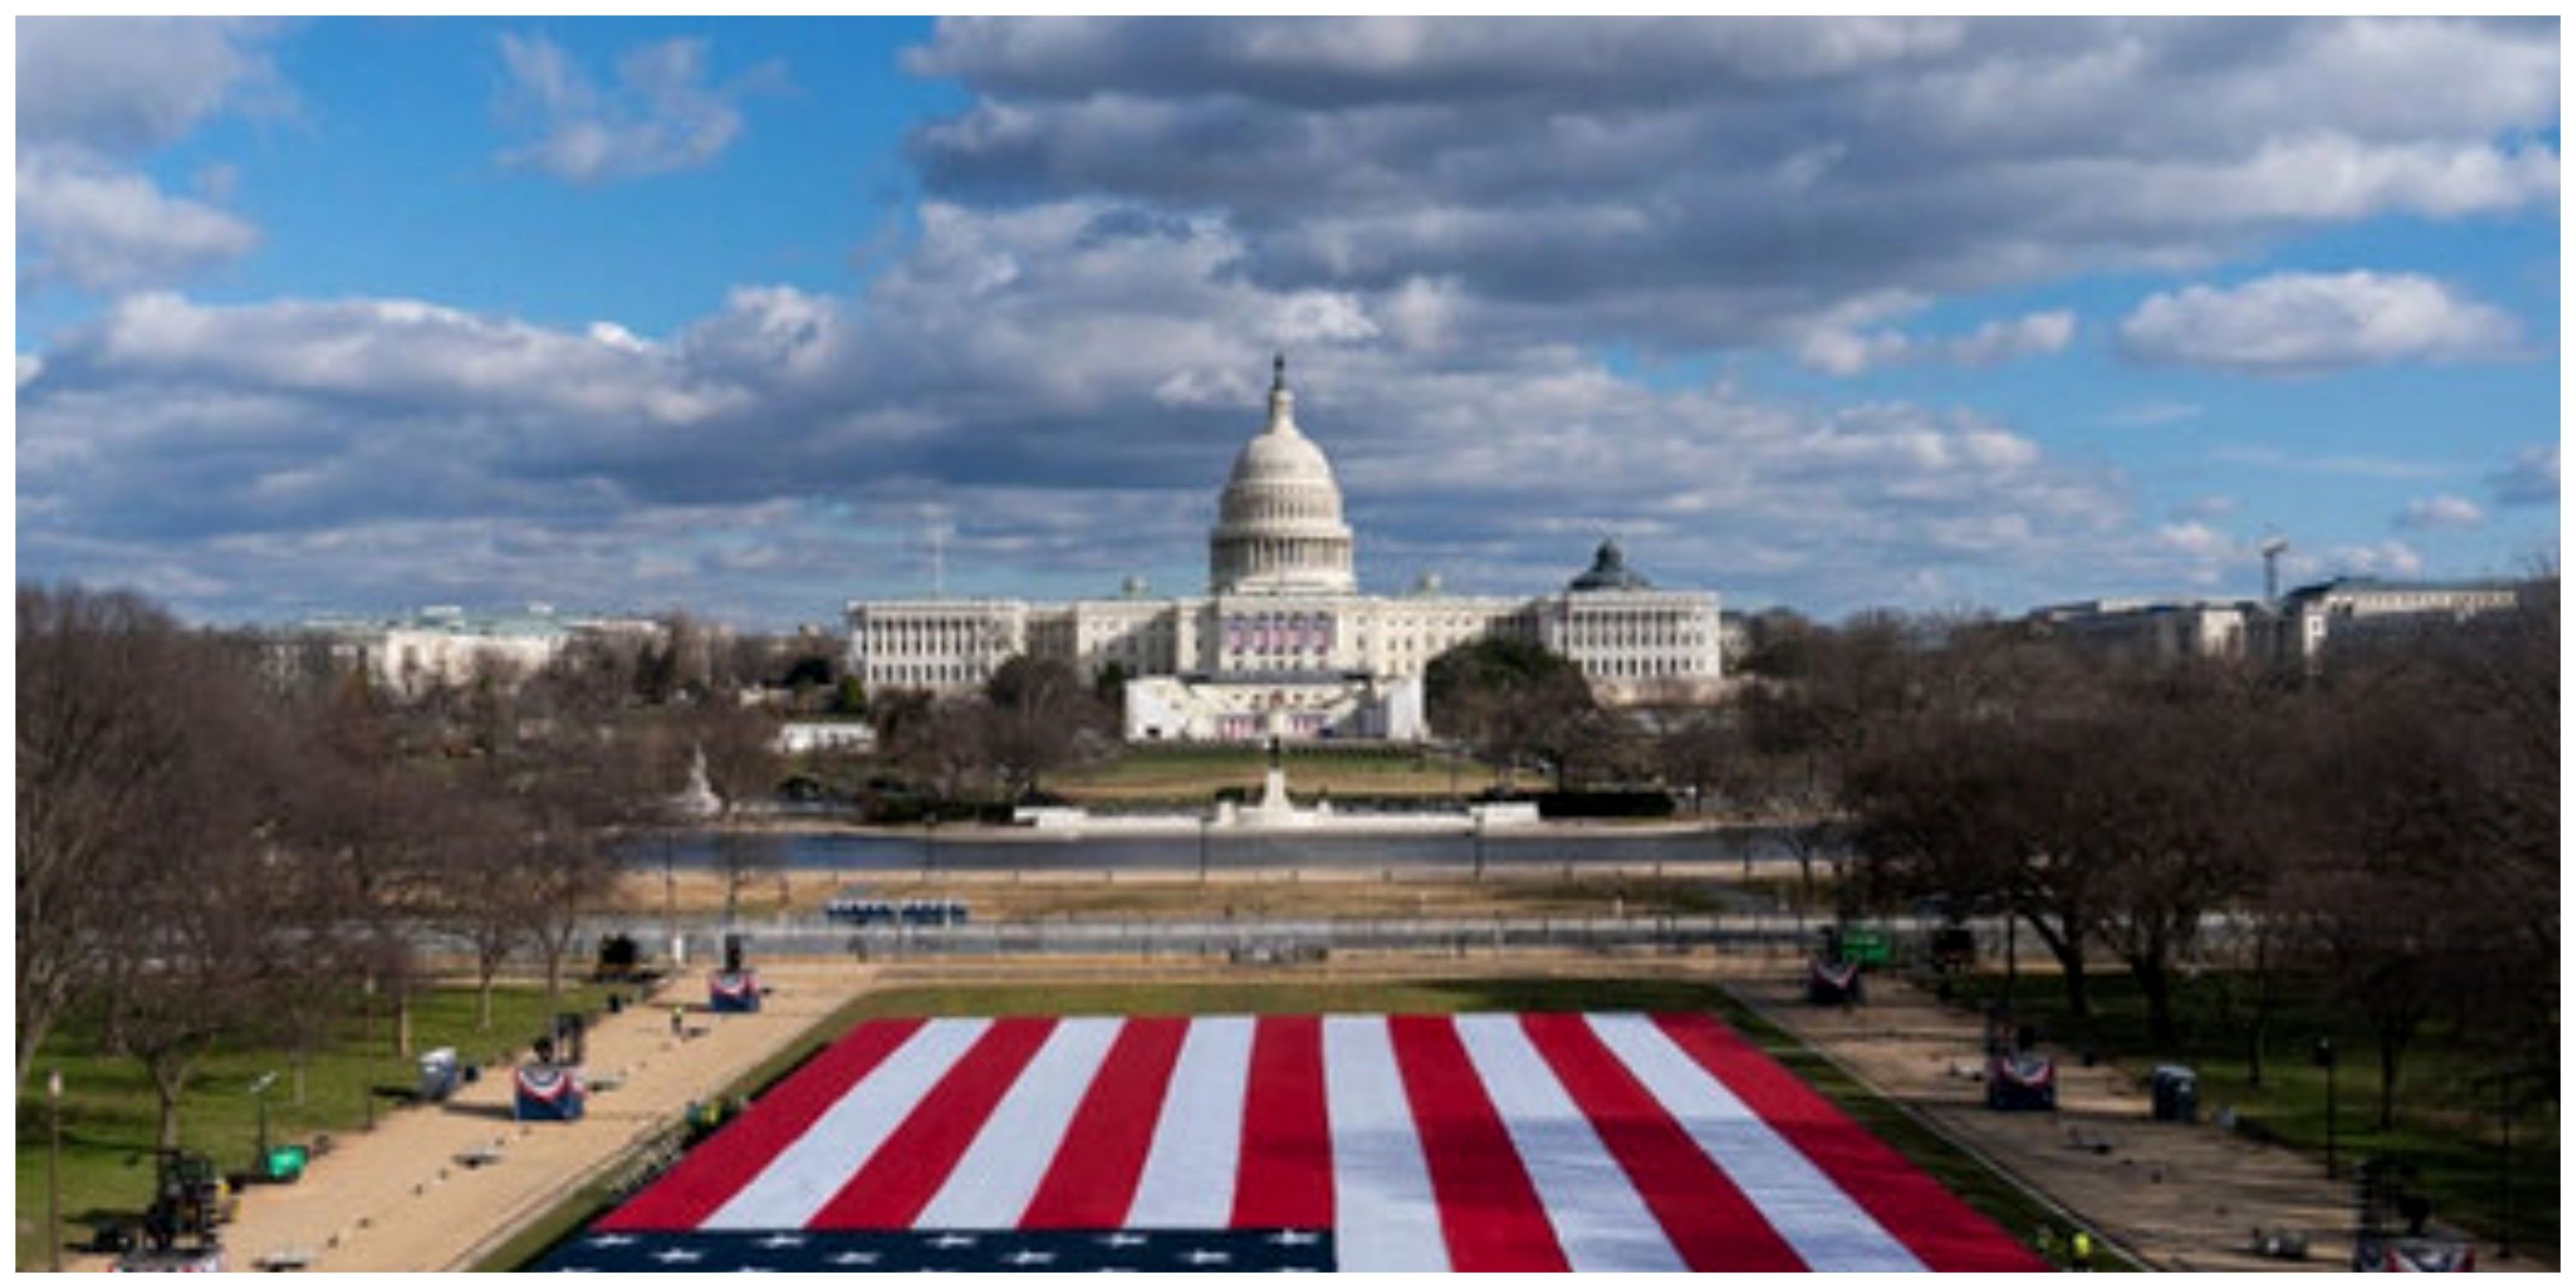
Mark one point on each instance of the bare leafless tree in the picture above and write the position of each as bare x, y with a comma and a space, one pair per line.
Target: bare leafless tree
98, 736
220, 923
1039, 714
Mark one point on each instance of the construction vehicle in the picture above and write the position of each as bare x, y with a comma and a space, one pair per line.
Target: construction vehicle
189, 1199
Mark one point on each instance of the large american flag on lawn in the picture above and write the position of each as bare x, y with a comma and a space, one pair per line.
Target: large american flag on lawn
1614, 1142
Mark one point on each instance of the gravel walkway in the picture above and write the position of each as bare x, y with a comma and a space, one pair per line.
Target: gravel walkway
405, 1196
2179, 1196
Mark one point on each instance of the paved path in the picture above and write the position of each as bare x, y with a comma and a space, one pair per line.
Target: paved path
397, 1198
2182, 1196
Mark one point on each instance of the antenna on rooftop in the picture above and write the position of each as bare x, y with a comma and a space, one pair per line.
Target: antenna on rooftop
935, 530
2272, 547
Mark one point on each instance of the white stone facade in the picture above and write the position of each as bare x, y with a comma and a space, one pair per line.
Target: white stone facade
2144, 631
1169, 708
2357, 612
2298, 631
936, 644
1284, 628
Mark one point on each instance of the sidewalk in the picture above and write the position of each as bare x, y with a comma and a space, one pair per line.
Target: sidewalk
398, 1198
2182, 1196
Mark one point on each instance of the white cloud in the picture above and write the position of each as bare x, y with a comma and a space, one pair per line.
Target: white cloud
2441, 511
2383, 559
94, 94
1077, 417
102, 228
2302, 323
1685, 183
1844, 352
130, 85
2532, 479
2005, 339
2199, 541
661, 116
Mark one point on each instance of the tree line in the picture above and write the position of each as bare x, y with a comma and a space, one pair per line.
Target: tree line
226, 839
2385, 830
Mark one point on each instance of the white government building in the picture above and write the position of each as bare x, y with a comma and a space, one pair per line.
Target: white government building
1284, 642
2300, 630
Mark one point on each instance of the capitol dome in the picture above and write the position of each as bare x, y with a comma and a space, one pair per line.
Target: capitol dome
1279, 526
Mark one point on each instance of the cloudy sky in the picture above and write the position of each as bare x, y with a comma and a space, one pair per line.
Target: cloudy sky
627, 315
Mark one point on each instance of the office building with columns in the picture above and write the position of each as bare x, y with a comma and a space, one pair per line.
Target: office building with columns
1284, 642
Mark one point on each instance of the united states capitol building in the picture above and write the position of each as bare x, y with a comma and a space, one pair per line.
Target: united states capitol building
1284, 642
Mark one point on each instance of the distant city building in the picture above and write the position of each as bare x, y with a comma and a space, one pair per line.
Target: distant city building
2302, 630
412, 653
797, 737
2313, 622
1284, 642
2135, 630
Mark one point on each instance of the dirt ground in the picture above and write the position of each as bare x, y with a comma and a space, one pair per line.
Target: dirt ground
1321, 893
2178, 1196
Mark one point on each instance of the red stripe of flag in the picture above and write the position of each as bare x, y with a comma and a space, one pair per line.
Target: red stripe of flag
1705, 1214
1097, 1167
908, 1169
705, 1178
1943, 1232
1490, 1215
1284, 1176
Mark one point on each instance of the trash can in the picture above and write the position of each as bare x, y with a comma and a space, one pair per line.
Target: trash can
438, 1074
2177, 1094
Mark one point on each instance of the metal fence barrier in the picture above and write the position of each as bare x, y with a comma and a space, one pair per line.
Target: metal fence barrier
1279, 940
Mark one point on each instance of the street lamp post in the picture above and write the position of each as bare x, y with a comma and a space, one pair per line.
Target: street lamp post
670, 900
259, 1097
2012, 952
2504, 1167
1478, 828
2325, 1057
54, 1171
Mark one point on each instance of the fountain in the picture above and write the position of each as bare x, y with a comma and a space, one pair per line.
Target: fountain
698, 800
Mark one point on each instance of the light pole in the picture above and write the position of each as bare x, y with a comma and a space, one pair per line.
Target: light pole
1203, 849
670, 900
2012, 952
2504, 1167
259, 1097
2325, 1057
54, 1171
1478, 829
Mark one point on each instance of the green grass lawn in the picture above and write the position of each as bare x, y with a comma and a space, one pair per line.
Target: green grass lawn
111, 1118
1196, 773
1964, 1175
2446, 1122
